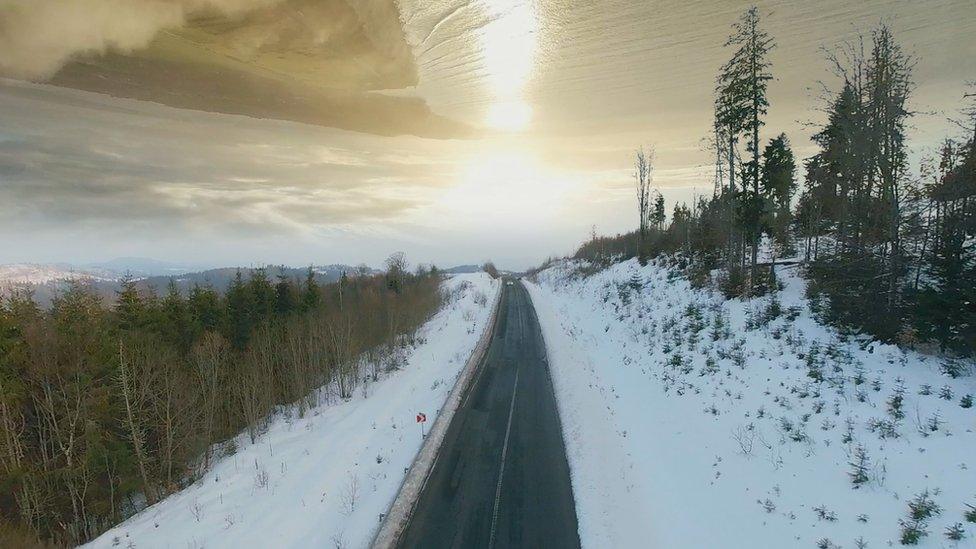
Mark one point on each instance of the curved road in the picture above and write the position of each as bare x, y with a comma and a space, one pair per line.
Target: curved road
501, 478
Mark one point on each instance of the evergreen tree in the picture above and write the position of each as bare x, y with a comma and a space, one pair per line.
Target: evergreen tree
129, 306
176, 326
658, 214
284, 296
310, 291
238, 316
205, 308
778, 186
740, 107
262, 296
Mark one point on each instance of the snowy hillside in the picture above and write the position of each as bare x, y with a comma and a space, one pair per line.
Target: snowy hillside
692, 421
322, 480
16, 274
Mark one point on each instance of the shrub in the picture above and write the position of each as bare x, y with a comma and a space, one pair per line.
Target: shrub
859, 467
825, 514
955, 532
952, 367
733, 282
896, 404
912, 531
923, 507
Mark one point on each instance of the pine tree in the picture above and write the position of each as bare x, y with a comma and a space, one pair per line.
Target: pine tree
262, 296
238, 316
129, 307
749, 75
778, 185
176, 326
310, 291
658, 215
740, 108
284, 296
204, 304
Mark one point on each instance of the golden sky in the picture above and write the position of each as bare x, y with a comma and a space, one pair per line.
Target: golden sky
298, 131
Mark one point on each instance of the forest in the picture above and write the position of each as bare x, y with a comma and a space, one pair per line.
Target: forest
106, 408
889, 249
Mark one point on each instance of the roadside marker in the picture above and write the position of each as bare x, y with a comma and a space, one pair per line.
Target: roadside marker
421, 419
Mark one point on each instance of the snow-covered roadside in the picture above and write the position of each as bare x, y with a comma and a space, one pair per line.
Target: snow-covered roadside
692, 421
322, 480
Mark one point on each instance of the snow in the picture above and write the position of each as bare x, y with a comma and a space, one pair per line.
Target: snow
741, 453
20, 274
323, 479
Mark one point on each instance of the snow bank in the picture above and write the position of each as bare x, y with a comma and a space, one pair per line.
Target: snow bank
322, 480
692, 421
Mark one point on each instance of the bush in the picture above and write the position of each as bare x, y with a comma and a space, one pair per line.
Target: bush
733, 282
923, 507
912, 531
859, 467
955, 532
952, 367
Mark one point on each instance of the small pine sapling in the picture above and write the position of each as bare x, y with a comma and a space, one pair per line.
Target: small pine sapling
859, 467
912, 531
923, 507
955, 532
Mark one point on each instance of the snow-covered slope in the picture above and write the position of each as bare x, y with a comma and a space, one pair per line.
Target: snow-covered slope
322, 480
692, 421
16, 274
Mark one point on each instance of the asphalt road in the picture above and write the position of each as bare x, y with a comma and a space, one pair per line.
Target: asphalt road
501, 478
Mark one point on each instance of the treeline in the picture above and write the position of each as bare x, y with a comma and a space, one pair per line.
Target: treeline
104, 410
887, 250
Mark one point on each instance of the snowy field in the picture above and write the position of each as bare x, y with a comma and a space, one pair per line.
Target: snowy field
322, 480
692, 421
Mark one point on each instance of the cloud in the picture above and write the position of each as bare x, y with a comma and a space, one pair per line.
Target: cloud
129, 170
37, 37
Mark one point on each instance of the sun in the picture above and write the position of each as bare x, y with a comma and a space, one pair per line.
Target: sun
511, 116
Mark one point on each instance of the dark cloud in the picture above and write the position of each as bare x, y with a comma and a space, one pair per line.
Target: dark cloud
310, 61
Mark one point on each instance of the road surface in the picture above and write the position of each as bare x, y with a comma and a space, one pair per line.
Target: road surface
501, 478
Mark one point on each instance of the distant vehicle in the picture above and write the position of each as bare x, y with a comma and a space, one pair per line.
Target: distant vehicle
508, 283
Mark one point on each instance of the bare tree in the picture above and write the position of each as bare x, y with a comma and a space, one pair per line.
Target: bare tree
135, 431
396, 270
643, 166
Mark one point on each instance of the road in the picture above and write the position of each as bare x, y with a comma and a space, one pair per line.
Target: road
501, 478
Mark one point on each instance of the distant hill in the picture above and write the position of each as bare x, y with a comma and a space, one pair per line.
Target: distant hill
142, 266
462, 269
47, 280
221, 278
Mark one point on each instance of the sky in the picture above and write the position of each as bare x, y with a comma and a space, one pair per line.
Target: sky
246, 132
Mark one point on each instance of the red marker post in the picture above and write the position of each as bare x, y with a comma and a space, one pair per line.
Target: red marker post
421, 419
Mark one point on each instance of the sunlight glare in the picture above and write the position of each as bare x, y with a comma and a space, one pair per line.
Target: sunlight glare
509, 115
508, 45
507, 186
